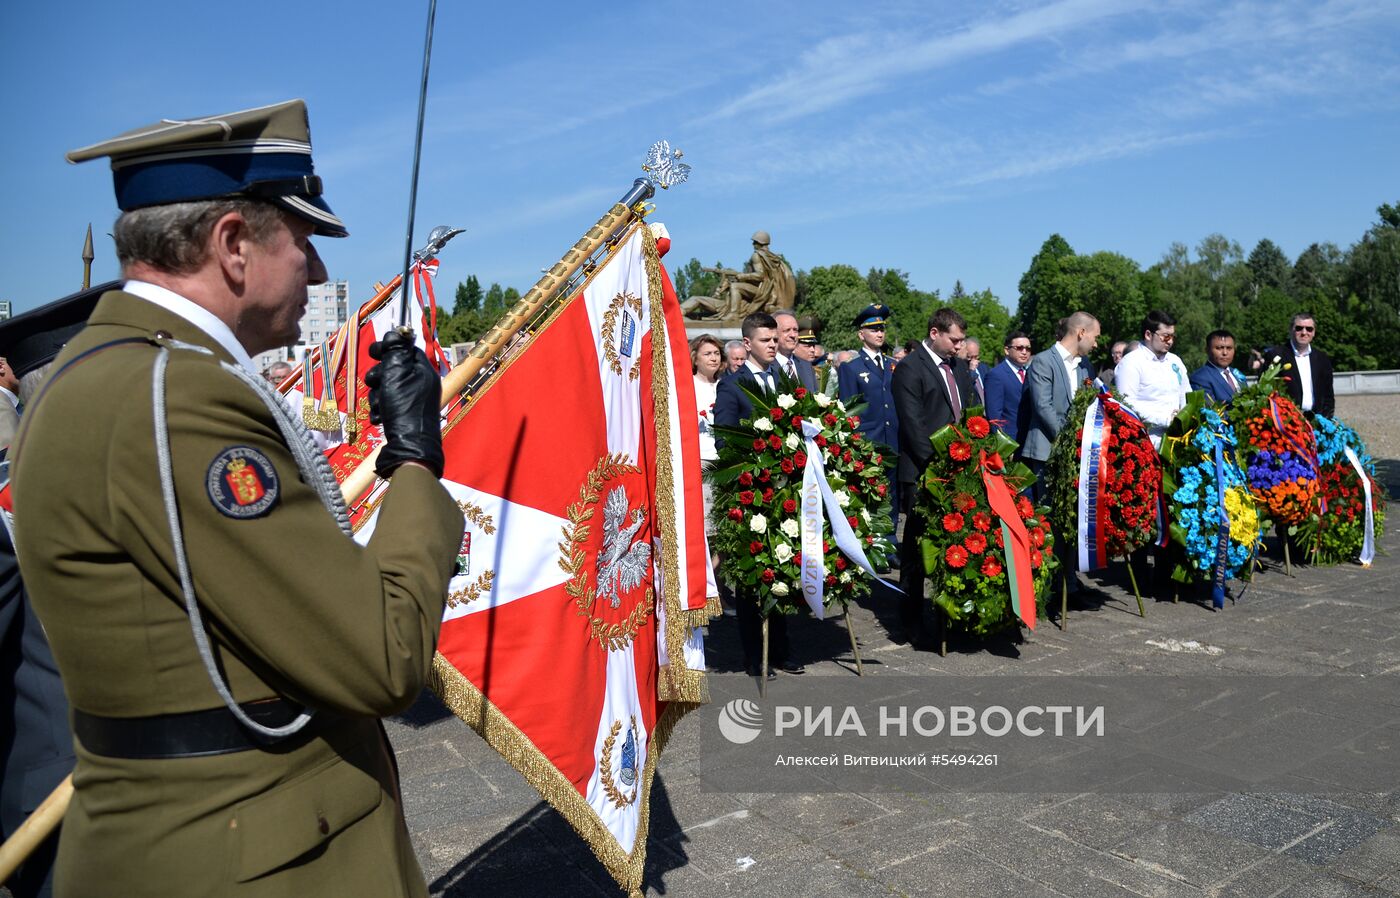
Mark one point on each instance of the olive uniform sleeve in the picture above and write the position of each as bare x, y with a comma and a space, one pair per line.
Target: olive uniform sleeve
316, 616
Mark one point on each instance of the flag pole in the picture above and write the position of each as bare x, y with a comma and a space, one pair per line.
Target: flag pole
546, 290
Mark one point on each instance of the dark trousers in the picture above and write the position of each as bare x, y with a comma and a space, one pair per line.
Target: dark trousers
911, 567
751, 632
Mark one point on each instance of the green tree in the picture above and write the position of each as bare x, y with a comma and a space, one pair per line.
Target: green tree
495, 302
468, 297
1373, 275
690, 280
1321, 266
987, 319
1041, 307
1269, 267
835, 294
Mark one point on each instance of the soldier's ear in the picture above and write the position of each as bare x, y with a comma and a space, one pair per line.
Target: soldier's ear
230, 240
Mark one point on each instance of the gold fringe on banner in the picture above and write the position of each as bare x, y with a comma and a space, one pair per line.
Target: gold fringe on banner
678, 682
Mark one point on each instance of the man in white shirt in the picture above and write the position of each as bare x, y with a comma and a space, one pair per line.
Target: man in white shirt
1307, 371
9, 403
1152, 379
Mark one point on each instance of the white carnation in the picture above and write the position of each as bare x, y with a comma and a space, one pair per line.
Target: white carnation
762, 424
785, 400
793, 441
783, 552
843, 498
841, 405
823, 400
790, 528
758, 524
780, 588
845, 576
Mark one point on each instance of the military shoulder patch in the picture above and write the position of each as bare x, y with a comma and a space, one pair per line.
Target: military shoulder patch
242, 482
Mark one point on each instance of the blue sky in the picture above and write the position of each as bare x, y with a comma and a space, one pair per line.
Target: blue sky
946, 139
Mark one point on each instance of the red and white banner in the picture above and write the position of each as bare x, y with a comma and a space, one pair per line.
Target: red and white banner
571, 640
348, 437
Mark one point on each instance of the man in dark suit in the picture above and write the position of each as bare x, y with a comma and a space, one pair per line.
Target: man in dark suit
1307, 369
732, 406
1008, 402
869, 378
1217, 379
931, 387
786, 360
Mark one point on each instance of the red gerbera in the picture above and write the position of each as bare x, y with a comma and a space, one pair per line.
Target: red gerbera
960, 451
956, 556
953, 523
990, 566
982, 521
978, 426
976, 543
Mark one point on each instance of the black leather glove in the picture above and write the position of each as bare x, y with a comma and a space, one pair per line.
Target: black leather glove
404, 397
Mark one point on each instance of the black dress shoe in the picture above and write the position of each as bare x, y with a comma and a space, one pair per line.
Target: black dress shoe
792, 667
753, 672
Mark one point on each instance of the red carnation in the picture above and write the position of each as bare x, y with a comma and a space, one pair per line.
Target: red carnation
956, 556
768, 495
855, 438
746, 479
787, 466
982, 521
768, 575
854, 420
759, 444
820, 440
830, 579
976, 543
755, 547
764, 475
990, 567
776, 414
853, 522
858, 466
774, 442
746, 497
796, 422
960, 451
799, 458
789, 505
881, 489
978, 426
800, 392
953, 523
797, 559
736, 514
829, 419
840, 563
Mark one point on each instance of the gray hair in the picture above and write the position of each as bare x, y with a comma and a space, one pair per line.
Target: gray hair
172, 237
31, 383
733, 345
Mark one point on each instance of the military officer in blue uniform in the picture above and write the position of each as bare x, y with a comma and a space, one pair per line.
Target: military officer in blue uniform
867, 378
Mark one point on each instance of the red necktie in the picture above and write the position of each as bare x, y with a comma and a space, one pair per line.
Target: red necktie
953, 396
1021, 373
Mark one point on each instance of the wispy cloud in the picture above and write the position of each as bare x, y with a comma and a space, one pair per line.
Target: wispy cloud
845, 67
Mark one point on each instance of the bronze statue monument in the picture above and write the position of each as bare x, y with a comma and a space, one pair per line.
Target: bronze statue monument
765, 285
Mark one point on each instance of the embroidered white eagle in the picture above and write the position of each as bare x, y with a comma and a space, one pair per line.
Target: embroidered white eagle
623, 563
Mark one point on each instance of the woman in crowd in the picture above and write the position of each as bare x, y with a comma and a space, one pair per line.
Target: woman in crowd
706, 362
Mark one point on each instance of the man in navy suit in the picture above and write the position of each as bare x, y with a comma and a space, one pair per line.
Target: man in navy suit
786, 360
869, 378
1217, 378
931, 388
1008, 401
732, 405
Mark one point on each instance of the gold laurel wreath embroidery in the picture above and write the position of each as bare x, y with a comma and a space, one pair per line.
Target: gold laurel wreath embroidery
615, 795
472, 591
610, 636
475, 515
615, 308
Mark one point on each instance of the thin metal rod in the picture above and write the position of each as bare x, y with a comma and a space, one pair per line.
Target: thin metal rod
855, 649
763, 667
1133, 579
417, 154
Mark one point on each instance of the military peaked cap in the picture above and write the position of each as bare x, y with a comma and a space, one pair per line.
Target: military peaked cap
262, 153
32, 340
873, 316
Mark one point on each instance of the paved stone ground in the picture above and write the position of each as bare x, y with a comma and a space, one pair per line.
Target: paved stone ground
479, 830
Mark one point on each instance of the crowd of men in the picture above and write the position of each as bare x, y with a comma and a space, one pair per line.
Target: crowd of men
912, 392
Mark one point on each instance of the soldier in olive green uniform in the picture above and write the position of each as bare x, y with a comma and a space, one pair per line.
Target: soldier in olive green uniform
166, 578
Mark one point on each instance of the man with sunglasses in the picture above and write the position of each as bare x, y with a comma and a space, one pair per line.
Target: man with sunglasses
1008, 401
1152, 379
1309, 380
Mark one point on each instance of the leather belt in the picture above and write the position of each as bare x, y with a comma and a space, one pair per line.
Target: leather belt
194, 734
